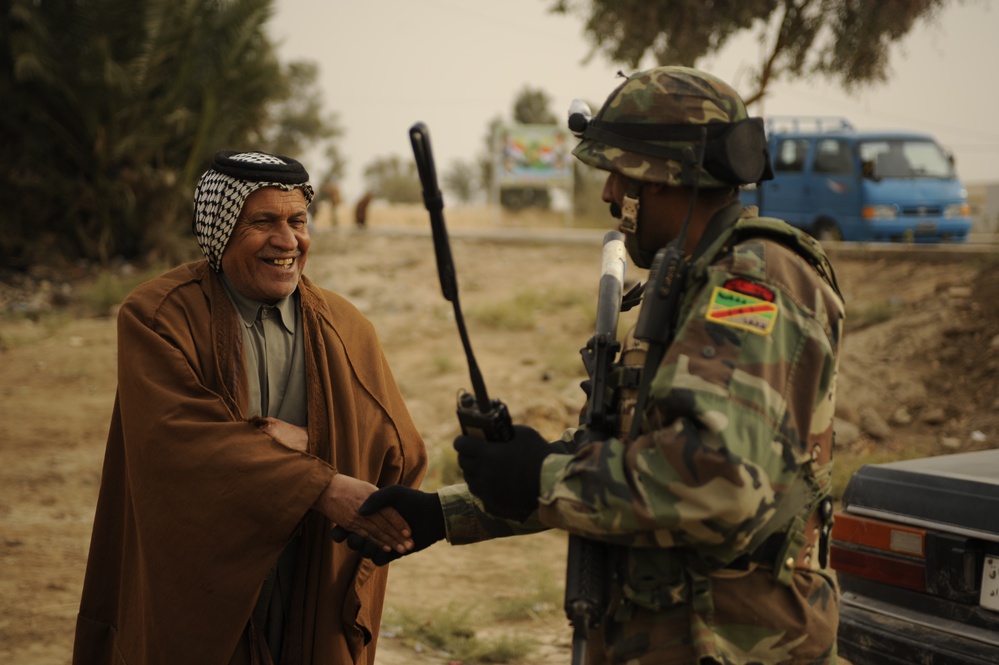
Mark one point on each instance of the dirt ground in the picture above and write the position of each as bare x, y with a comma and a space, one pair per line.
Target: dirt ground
918, 377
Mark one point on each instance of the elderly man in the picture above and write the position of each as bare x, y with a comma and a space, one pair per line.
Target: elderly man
254, 410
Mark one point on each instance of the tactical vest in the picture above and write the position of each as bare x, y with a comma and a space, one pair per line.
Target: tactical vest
796, 537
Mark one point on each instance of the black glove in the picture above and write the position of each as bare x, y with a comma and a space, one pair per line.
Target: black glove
421, 510
507, 475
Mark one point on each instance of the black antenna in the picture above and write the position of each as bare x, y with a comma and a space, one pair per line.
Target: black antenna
486, 418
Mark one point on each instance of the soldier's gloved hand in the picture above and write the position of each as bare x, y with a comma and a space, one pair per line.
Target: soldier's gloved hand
507, 475
421, 510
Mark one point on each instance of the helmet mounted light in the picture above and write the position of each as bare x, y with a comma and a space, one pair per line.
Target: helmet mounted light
580, 116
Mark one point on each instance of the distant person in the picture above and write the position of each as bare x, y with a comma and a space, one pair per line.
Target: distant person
254, 410
361, 210
712, 498
335, 199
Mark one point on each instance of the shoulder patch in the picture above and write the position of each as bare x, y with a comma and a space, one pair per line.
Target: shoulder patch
740, 310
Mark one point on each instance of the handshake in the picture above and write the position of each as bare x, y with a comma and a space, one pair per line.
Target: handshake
505, 476
421, 510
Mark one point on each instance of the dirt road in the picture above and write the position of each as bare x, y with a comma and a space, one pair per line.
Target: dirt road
918, 377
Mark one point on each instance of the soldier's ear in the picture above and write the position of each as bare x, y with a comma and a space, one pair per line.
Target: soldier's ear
655, 188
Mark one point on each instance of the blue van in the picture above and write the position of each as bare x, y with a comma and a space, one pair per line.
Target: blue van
838, 183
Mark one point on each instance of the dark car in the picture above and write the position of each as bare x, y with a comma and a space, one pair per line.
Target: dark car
916, 550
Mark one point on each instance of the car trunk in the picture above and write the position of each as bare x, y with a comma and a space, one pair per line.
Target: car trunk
916, 550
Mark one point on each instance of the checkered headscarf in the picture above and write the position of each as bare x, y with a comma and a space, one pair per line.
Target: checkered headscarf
222, 191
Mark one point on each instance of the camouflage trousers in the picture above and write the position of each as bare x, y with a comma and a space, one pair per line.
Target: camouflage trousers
755, 620
639, 636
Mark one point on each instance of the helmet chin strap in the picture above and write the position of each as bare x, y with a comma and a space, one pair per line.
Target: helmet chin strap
630, 204
627, 212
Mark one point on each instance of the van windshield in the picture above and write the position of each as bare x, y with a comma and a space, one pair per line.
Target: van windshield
906, 158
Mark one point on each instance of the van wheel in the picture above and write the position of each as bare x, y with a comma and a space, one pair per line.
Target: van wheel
827, 231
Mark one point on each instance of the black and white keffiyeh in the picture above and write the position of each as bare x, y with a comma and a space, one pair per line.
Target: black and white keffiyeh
222, 191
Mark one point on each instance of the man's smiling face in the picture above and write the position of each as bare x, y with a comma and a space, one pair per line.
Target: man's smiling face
266, 254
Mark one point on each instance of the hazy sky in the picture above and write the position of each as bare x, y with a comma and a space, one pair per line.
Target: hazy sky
457, 64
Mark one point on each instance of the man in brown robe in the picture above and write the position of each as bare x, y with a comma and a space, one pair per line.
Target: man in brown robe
254, 411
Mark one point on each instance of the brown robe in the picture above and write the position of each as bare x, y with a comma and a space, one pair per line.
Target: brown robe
196, 504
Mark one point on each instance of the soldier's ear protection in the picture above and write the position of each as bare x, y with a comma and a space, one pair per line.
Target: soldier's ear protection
734, 152
740, 154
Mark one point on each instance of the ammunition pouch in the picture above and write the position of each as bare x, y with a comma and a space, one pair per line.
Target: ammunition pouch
659, 579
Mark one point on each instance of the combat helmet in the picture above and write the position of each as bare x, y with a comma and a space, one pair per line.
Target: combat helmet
652, 126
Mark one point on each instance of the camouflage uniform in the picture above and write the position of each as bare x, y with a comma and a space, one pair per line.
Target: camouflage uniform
715, 513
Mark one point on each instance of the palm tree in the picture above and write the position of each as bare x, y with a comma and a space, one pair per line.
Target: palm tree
117, 106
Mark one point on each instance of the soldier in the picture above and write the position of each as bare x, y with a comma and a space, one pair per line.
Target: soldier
714, 501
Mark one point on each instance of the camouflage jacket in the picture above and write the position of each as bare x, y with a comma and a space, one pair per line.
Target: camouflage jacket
737, 437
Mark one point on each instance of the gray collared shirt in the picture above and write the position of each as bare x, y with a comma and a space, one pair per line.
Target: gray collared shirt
274, 355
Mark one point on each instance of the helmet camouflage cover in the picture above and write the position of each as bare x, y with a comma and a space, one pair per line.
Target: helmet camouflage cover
662, 96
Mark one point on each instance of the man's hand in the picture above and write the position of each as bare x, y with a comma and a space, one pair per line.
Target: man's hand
340, 502
421, 510
507, 475
292, 436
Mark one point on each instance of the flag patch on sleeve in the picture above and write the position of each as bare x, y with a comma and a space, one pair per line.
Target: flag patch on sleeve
740, 310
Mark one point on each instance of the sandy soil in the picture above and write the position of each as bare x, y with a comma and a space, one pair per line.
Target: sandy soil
920, 382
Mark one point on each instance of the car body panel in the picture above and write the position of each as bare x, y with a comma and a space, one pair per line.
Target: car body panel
935, 517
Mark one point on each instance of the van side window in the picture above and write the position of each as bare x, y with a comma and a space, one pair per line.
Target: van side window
833, 156
791, 155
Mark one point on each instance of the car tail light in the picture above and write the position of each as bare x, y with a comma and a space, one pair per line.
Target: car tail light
879, 551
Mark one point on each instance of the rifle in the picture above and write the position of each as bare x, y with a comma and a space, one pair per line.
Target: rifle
585, 578
478, 415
